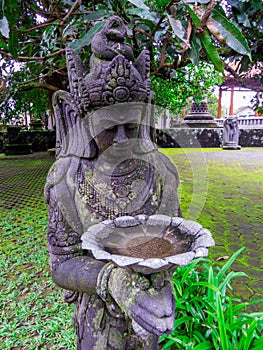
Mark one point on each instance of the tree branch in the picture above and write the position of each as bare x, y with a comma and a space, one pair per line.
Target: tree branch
75, 6
167, 8
41, 25
142, 31
188, 35
164, 47
59, 71
232, 71
38, 86
26, 58
206, 16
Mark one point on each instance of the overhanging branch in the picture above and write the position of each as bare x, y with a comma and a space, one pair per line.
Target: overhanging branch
44, 86
206, 16
33, 58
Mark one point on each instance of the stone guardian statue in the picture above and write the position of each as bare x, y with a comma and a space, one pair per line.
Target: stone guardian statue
231, 134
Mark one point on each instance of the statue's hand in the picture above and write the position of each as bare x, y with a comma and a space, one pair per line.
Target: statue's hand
149, 301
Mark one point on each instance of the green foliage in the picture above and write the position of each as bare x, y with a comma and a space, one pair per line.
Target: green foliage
192, 81
206, 316
33, 314
37, 33
206, 41
17, 102
248, 16
44, 28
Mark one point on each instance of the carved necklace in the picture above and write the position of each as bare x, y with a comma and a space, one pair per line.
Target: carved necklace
128, 190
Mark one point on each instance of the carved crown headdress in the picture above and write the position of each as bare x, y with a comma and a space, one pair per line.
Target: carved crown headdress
112, 79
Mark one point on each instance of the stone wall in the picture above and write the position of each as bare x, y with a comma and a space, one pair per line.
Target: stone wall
200, 137
40, 140
174, 138
251, 138
189, 137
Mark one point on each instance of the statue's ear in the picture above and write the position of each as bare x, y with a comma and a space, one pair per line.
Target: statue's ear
142, 65
72, 136
76, 74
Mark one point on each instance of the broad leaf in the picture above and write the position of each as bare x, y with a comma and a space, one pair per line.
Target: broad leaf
204, 346
3, 45
258, 344
96, 15
142, 14
194, 49
13, 43
86, 39
4, 28
230, 33
140, 4
207, 42
178, 28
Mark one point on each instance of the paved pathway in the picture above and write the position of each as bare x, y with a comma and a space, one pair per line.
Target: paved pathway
229, 197
228, 191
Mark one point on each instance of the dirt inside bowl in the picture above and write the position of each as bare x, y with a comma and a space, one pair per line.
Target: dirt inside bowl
155, 247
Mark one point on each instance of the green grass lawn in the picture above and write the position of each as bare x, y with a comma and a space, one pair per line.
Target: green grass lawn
225, 199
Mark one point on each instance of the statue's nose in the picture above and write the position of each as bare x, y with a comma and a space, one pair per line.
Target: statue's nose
120, 135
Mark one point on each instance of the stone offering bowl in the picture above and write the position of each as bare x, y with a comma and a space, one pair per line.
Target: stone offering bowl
148, 244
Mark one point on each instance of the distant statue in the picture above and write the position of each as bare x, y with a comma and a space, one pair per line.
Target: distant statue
107, 166
231, 133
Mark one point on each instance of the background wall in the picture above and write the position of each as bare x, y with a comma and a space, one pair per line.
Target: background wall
166, 138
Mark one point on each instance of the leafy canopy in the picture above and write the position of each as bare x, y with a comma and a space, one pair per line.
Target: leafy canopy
177, 33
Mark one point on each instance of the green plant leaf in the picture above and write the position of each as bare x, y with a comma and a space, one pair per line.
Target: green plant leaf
230, 262
258, 344
178, 28
205, 38
207, 285
204, 346
3, 45
181, 320
4, 27
247, 336
142, 14
221, 321
194, 49
96, 15
13, 43
228, 278
140, 4
230, 33
86, 39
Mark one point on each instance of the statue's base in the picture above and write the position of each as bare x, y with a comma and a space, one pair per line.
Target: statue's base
231, 146
18, 149
200, 123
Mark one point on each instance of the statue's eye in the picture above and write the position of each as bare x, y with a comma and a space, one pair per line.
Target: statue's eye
115, 24
111, 128
131, 126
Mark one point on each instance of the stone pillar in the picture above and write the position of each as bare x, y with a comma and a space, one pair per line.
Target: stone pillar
231, 106
219, 106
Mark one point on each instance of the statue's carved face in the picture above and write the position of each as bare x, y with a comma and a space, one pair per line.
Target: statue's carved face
116, 130
115, 29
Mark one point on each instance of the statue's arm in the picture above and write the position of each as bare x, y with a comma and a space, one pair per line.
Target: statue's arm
70, 268
170, 203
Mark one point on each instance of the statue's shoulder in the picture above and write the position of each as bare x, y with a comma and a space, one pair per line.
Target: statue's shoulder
165, 163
